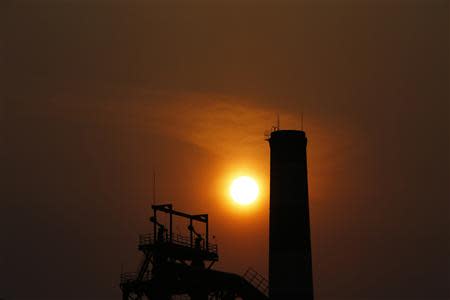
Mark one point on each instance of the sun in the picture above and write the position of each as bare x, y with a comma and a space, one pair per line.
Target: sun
244, 190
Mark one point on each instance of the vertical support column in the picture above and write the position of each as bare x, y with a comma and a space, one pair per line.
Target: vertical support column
207, 234
125, 295
190, 232
154, 224
170, 227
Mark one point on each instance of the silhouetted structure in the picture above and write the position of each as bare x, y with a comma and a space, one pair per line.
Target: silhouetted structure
179, 267
290, 262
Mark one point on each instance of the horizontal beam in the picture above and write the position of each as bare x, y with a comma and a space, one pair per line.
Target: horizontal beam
157, 207
167, 208
202, 216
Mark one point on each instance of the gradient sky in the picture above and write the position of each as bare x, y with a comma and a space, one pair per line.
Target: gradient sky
97, 94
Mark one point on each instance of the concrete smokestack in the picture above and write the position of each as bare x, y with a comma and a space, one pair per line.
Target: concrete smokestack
290, 262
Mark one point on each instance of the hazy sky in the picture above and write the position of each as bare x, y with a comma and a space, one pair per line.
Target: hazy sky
97, 94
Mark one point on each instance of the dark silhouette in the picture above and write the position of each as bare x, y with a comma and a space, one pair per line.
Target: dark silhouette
181, 265
290, 262
177, 265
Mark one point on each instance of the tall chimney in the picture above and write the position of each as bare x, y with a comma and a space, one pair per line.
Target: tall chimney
290, 262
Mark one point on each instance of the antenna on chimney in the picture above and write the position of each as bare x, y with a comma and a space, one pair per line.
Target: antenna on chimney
154, 187
278, 121
301, 121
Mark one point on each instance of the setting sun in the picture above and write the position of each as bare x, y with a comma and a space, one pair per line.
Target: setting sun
244, 190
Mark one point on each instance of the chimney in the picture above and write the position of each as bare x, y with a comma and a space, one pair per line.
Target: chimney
290, 261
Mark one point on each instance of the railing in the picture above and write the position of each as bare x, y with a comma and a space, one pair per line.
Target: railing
178, 239
126, 277
212, 248
182, 240
257, 280
180, 297
132, 276
146, 239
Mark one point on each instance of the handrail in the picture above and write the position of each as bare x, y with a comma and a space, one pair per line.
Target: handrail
132, 276
177, 239
257, 280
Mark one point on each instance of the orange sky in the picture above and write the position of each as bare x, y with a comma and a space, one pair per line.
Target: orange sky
98, 94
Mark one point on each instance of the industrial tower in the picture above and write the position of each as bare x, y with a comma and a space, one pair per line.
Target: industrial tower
176, 266
290, 261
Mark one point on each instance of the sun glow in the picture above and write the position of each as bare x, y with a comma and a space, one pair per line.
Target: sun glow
244, 190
